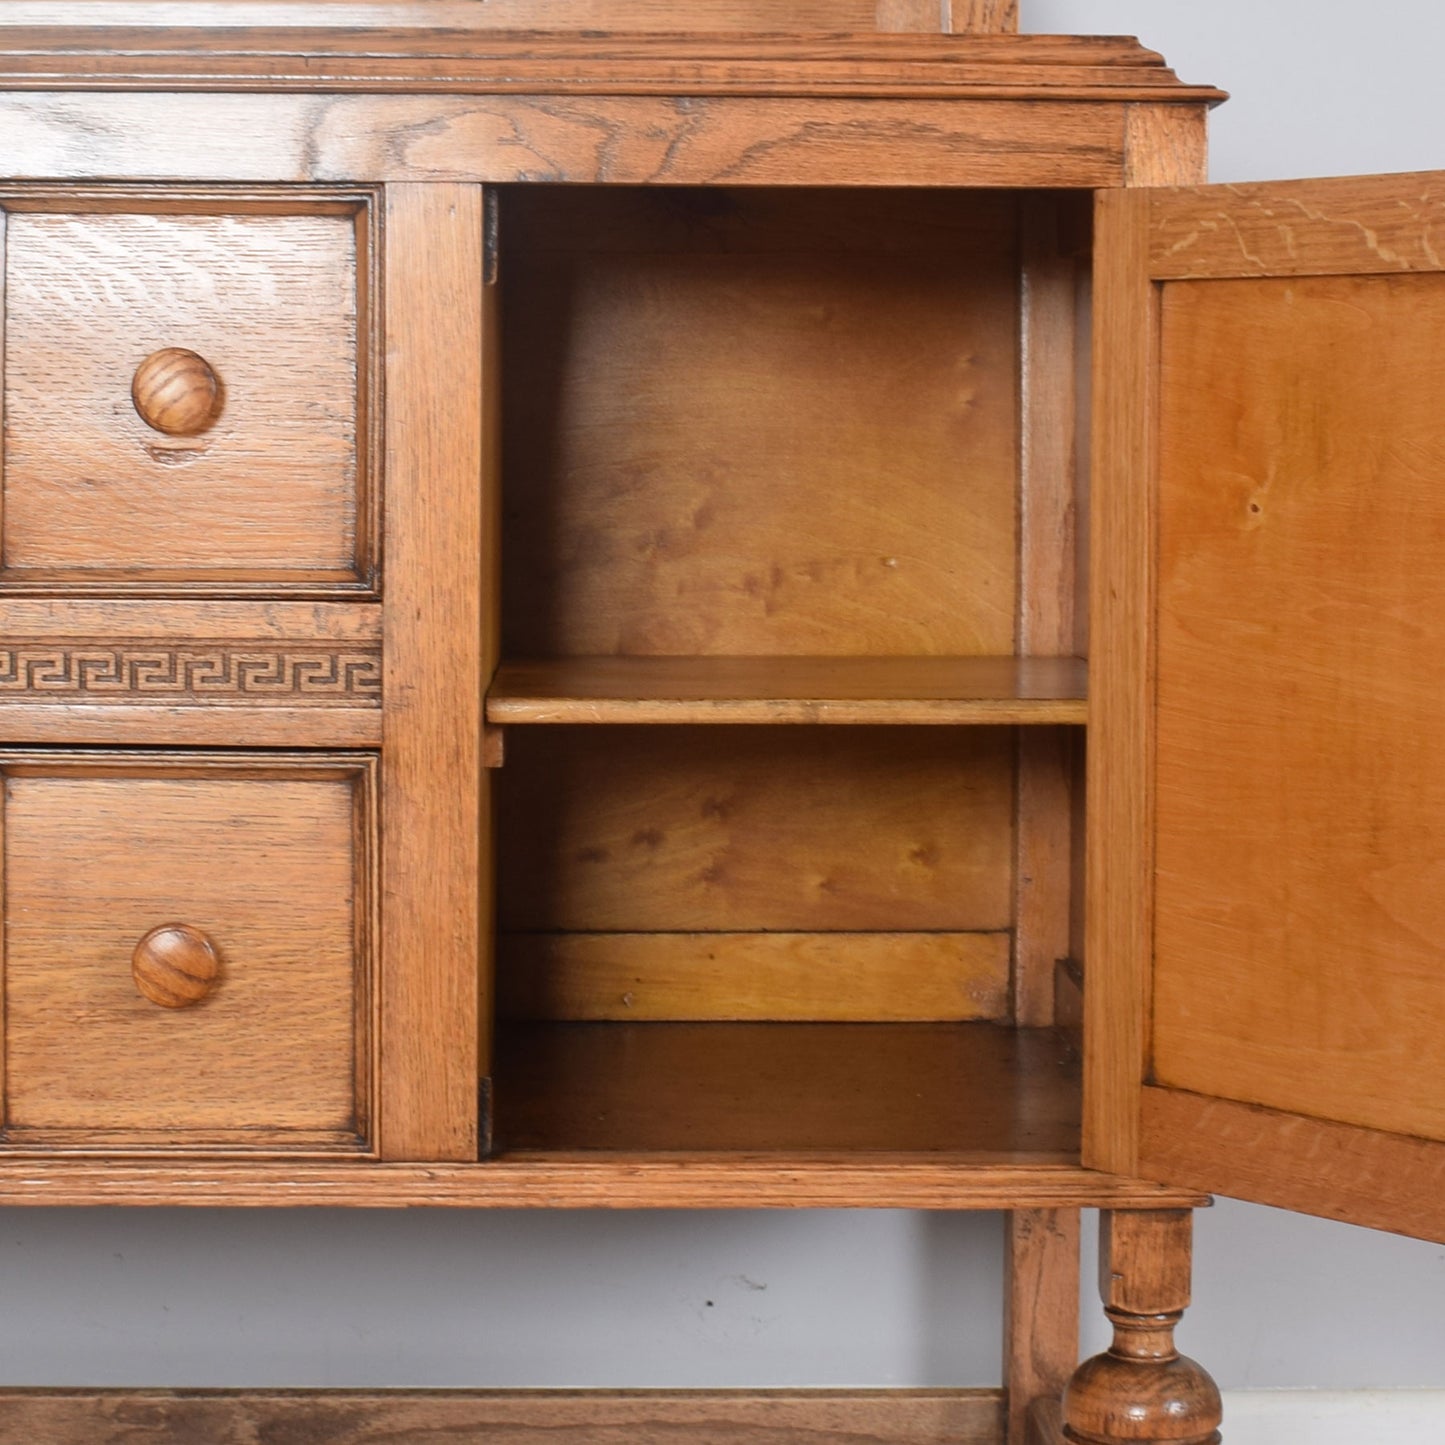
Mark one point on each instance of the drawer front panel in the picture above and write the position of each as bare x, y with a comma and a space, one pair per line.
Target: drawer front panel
186, 393
187, 951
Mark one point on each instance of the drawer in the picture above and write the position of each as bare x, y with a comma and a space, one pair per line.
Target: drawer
187, 384
188, 951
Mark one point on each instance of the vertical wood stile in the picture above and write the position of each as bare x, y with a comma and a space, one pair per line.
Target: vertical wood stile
1166, 145
1119, 843
1041, 1310
981, 17
1047, 543
494, 739
434, 784
951, 17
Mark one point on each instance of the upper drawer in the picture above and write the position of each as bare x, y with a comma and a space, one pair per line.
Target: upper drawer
187, 392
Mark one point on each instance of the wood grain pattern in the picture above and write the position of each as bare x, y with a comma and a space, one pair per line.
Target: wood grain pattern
1339, 1171
275, 489
1359, 225
99, 851
760, 432
73, 724
1166, 145
48, 618
1118, 913
980, 1091
944, 691
786, 977
586, 1181
1041, 1311
1299, 956
903, 16
524, 1417
967, 17
693, 829
435, 786
579, 139
603, 62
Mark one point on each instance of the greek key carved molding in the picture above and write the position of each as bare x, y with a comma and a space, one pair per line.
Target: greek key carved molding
151, 672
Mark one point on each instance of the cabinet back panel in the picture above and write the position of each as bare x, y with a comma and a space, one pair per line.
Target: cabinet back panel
1300, 892
760, 423
694, 829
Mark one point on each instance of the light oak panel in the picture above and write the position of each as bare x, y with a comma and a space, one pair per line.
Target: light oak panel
1357, 225
45, 619
524, 1417
1300, 879
618, 140
1118, 926
1361, 1176
435, 795
275, 490
943, 691
100, 851
643, 830
788, 977
730, 441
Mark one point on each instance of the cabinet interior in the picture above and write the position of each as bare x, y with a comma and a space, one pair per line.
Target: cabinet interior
787, 834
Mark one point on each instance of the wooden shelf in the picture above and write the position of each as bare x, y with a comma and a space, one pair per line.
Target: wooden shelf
979, 1092
903, 690
595, 1181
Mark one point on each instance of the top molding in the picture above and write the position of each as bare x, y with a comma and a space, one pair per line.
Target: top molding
440, 60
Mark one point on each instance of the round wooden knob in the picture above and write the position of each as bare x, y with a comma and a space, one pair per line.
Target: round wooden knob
175, 965
176, 392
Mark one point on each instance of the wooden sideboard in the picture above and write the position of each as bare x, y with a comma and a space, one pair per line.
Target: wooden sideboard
552, 596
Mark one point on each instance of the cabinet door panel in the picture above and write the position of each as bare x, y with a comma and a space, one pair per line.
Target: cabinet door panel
1272, 611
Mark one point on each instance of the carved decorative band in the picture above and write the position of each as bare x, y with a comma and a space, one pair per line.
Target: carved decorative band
150, 672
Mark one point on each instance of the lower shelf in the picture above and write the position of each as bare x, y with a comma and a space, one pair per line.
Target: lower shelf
698, 1116
585, 1417
976, 1093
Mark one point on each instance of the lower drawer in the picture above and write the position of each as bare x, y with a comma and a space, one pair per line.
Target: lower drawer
188, 951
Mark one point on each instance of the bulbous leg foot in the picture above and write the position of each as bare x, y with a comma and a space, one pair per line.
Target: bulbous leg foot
1142, 1391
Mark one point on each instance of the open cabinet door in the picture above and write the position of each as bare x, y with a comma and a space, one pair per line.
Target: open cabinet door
1266, 954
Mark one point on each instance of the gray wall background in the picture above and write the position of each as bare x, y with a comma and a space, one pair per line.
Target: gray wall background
323, 1298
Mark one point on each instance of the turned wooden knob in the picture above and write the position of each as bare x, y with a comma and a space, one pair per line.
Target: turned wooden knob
176, 392
175, 965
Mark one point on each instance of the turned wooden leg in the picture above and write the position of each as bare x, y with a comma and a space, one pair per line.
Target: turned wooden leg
1143, 1391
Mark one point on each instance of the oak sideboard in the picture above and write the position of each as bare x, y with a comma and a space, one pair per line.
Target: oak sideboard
729, 604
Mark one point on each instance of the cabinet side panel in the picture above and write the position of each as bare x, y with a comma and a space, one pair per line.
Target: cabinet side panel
1120, 762
433, 780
